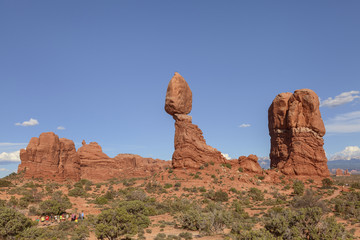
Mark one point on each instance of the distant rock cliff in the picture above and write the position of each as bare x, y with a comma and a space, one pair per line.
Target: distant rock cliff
296, 131
49, 157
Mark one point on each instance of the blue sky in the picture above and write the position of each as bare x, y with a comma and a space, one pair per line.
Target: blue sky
99, 70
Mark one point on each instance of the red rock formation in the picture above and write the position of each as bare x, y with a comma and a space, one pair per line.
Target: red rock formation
296, 131
97, 166
191, 150
346, 172
339, 172
49, 157
250, 164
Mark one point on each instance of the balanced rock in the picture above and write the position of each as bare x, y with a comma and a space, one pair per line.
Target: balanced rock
250, 163
178, 96
296, 131
191, 150
49, 157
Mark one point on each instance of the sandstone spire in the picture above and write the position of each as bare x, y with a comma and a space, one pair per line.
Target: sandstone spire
296, 131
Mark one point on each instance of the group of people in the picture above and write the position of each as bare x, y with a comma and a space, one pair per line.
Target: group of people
46, 219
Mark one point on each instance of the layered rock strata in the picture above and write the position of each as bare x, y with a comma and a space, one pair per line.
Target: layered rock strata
296, 131
191, 150
49, 157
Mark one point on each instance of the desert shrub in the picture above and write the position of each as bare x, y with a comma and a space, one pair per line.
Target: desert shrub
304, 223
177, 184
12, 222
355, 185
124, 220
33, 211
5, 183
154, 187
221, 196
309, 200
298, 187
137, 194
168, 185
77, 192
240, 169
228, 165
327, 183
56, 205
101, 200
12, 202
129, 182
256, 194
186, 235
348, 205
81, 232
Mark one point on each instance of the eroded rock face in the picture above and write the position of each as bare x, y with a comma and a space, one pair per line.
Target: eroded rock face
250, 163
296, 131
191, 150
49, 157
98, 166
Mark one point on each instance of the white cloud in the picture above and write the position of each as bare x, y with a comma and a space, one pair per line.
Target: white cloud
225, 155
350, 152
10, 157
31, 122
5, 144
60, 128
341, 99
244, 125
4, 170
344, 123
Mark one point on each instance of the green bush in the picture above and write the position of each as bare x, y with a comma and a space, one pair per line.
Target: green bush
186, 235
168, 185
256, 194
125, 220
101, 200
304, 223
56, 205
309, 200
327, 183
12, 222
240, 169
228, 165
221, 196
298, 187
5, 183
77, 192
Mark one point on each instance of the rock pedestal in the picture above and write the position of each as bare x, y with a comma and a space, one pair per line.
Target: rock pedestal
296, 131
191, 150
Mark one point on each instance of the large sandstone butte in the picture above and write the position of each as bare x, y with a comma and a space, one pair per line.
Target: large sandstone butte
49, 157
296, 131
191, 150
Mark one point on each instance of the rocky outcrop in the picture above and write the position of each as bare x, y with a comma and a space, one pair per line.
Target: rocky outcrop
250, 164
296, 131
98, 166
346, 172
49, 157
339, 172
191, 150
